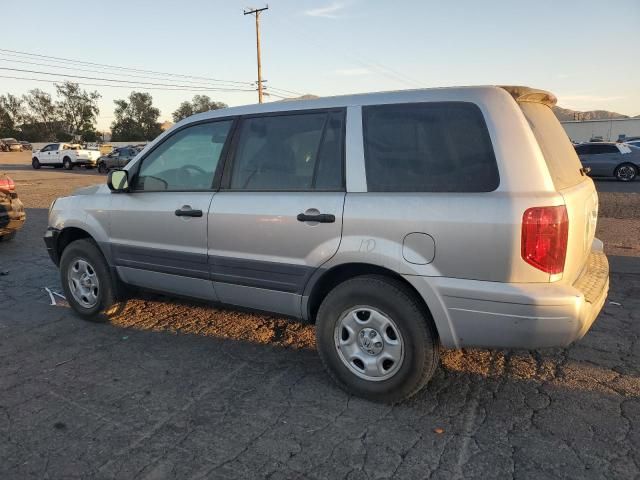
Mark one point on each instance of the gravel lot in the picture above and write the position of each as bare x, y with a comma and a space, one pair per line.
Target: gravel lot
176, 389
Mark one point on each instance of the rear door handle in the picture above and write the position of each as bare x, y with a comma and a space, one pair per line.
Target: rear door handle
320, 217
187, 211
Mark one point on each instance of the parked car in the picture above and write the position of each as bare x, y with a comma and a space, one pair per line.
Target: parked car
12, 215
3, 147
364, 214
118, 158
608, 159
25, 145
64, 155
13, 144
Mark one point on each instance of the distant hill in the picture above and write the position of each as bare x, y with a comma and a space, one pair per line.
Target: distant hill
564, 114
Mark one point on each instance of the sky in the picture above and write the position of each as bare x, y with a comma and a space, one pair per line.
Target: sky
586, 52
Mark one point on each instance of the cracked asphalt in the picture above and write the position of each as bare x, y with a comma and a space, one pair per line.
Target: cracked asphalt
176, 389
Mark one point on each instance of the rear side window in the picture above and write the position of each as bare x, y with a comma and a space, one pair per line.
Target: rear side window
296, 152
559, 154
428, 147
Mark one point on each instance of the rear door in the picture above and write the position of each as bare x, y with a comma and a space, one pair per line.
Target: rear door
578, 190
278, 215
604, 159
158, 230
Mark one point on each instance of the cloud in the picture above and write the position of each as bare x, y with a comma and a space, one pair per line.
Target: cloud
351, 72
328, 11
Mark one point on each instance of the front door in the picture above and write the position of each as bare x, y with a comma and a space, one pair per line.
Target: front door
278, 216
159, 229
54, 155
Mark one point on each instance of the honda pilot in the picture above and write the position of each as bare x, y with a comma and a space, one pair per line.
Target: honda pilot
396, 222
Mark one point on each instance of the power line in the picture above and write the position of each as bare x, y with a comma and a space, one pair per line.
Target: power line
104, 65
154, 74
74, 68
222, 89
139, 87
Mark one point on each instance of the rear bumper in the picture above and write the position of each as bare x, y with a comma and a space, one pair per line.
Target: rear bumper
503, 315
12, 214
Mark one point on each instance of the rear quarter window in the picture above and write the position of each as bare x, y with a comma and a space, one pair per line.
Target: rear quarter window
559, 154
428, 147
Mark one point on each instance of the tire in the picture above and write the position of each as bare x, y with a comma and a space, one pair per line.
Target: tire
67, 163
35, 163
370, 298
627, 172
103, 296
102, 168
7, 237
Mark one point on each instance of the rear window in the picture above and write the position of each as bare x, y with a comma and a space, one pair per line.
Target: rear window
559, 154
428, 147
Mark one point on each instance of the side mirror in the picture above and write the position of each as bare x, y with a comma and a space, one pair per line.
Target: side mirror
118, 181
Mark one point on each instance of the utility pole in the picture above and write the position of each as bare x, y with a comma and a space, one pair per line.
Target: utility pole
256, 12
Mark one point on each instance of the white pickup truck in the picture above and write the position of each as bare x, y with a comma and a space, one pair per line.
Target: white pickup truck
65, 155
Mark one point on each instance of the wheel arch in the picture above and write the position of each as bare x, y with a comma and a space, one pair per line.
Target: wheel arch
324, 281
68, 235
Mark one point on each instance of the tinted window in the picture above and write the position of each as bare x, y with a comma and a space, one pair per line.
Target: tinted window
601, 149
583, 149
289, 152
185, 161
428, 147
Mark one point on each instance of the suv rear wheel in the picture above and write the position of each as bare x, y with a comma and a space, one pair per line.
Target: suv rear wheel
626, 172
375, 340
87, 282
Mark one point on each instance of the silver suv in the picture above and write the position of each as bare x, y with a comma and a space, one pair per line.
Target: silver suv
396, 222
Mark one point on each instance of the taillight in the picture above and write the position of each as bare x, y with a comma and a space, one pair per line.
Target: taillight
6, 183
545, 231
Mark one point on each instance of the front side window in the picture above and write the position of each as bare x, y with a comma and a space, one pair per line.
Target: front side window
289, 152
185, 161
428, 147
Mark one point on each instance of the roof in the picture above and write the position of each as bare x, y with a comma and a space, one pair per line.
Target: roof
519, 93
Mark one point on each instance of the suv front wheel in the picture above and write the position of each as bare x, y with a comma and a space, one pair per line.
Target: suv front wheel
87, 282
375, 339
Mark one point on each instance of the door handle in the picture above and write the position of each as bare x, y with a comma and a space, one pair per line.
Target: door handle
320, 217
187, 211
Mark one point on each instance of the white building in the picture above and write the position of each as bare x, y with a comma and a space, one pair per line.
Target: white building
608, 130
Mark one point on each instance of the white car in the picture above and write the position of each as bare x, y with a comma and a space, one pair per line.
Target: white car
64, 155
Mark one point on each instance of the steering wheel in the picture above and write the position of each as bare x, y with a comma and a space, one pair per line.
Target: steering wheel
194, 167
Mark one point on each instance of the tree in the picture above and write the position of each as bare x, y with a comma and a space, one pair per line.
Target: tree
199, 104
77, 108
11, 115
41, 114
136, 119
